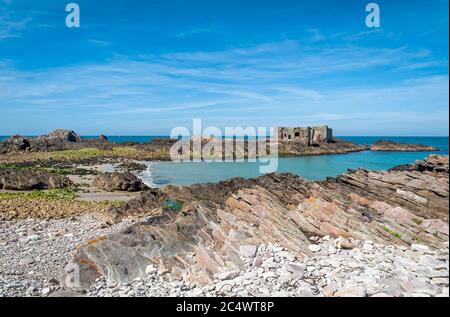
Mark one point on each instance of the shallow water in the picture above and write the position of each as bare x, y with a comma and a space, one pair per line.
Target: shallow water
309, 167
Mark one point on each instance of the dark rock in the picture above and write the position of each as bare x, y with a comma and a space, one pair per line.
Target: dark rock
15, 143
14, 179
152, 199
65, 135
103, 137
385, 145
433, 163
336, 146
118, 182
55, 141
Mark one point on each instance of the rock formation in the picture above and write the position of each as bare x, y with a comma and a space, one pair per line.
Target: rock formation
385, 145
159, 149
218, 223
15, 143
62, 134
55, 141
118, 182
336, 146
15, 179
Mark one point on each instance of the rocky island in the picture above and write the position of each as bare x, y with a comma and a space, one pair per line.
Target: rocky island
76, 221
385, 145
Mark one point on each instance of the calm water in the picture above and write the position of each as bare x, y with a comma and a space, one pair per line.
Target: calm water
310, 167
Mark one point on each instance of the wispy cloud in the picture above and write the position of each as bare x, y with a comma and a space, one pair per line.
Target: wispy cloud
199, 30
271, 83
10, 28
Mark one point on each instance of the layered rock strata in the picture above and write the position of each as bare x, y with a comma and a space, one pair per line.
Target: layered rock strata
218, 223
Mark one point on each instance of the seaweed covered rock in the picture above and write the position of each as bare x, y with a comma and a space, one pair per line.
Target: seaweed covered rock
118, 182
16, 179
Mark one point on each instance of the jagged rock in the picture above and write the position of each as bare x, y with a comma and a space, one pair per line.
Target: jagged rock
205, 236
55, 141
62, 134
433, 163
118, 182
149, 202
103, 137
385, 145
15, 143
14, 179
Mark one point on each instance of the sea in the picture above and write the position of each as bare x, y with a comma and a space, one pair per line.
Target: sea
309, 167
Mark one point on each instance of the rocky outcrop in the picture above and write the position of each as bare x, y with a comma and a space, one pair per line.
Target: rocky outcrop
15, 143
391, 146
118, 182
433, 163
15, 179
55, 141
336, 146
218, 223
64, 135
103, 137
148, 203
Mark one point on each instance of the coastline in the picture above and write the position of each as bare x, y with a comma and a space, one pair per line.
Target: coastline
260, 232
333, 239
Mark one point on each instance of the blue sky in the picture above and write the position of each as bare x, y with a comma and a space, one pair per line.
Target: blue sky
142, 68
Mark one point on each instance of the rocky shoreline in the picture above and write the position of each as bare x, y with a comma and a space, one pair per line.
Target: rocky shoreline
363, 233
235, 238
368, 270
63, 145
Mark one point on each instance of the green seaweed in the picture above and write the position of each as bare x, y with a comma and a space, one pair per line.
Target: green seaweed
48, 194
392, 232
417, 221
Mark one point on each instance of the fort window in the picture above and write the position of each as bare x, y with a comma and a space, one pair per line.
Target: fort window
297, 134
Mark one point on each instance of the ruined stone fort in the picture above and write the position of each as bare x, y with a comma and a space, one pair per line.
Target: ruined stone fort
306, 135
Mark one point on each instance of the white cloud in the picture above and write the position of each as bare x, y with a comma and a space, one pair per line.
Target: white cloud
10, 28
272, 83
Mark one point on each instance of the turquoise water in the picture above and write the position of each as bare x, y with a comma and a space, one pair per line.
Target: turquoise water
309, 167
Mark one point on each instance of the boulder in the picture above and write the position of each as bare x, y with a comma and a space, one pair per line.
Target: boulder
15, 143
152, 199
103, 137
118, 182
64, 135
14, 179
